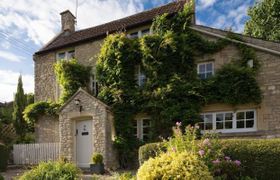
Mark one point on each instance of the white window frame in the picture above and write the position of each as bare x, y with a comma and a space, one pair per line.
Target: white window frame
205, 63
139, 33
140, 127
94, 84
234, 128
67, 54
140, 77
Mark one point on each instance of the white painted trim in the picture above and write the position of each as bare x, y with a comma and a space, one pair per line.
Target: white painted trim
205, 63
234, 129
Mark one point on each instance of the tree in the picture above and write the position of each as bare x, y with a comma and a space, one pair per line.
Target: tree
264, 20
19, 106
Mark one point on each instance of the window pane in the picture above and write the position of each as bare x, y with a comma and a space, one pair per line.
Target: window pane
134, 35
208, 118
209, 67
228, 116
61, 55
250, 115
209, 74
202, 76
219, 125
145, 31
219, 117
228, 125
240, 124
71, 54
250, 124
240, 115
201, 68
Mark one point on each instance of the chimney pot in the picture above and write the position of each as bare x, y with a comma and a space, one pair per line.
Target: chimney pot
68, 21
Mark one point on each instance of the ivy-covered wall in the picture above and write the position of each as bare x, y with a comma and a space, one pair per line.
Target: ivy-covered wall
172, 91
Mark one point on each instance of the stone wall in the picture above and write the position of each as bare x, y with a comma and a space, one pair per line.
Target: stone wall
101, 123
45, 81
47, 129
268, 112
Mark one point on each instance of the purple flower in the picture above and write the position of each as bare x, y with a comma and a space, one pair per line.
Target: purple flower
227, 158
217, 161
201, 152
178, 124
237, 162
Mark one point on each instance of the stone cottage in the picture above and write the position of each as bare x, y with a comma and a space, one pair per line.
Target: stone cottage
85, 124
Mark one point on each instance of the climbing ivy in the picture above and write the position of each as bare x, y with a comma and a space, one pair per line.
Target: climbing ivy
173, 91
71, 76
33, 111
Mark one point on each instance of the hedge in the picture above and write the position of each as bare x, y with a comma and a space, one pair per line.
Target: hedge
259, 157
4, 154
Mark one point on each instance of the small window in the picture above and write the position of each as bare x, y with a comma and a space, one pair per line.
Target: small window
140, 76
142, 128
134, 35
66, 55
94, 85
205, 70
71, 54
61, 55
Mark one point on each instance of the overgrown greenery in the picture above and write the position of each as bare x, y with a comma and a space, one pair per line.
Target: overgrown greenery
172, 91
259, 158
264, 20
35, 110
52, 170
71, 76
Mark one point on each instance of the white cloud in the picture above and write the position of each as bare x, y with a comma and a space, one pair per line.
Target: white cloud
5, 55
8, 84
40, 20
203, 4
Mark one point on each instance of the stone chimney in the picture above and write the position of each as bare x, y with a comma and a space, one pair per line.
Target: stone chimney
68, 21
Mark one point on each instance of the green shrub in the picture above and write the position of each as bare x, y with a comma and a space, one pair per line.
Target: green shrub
150, 150
97, 158
52, 170
174, 165
126, 176
1, 177
4, 154
259, 158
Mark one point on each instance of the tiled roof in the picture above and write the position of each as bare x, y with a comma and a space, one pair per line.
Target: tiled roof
142, 18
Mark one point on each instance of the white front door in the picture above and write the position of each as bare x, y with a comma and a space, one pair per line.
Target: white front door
84, 142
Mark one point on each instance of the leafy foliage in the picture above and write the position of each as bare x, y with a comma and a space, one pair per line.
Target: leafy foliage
260, 158
172, 91
97, 158
71, 77
174, 166
19, 105
4, 154
33, 111
52, 170
264, 20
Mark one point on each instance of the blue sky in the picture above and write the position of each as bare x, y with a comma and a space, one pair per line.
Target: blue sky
26, 25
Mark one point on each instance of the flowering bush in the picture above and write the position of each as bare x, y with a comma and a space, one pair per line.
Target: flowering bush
208, 149
226, 168
174, 165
